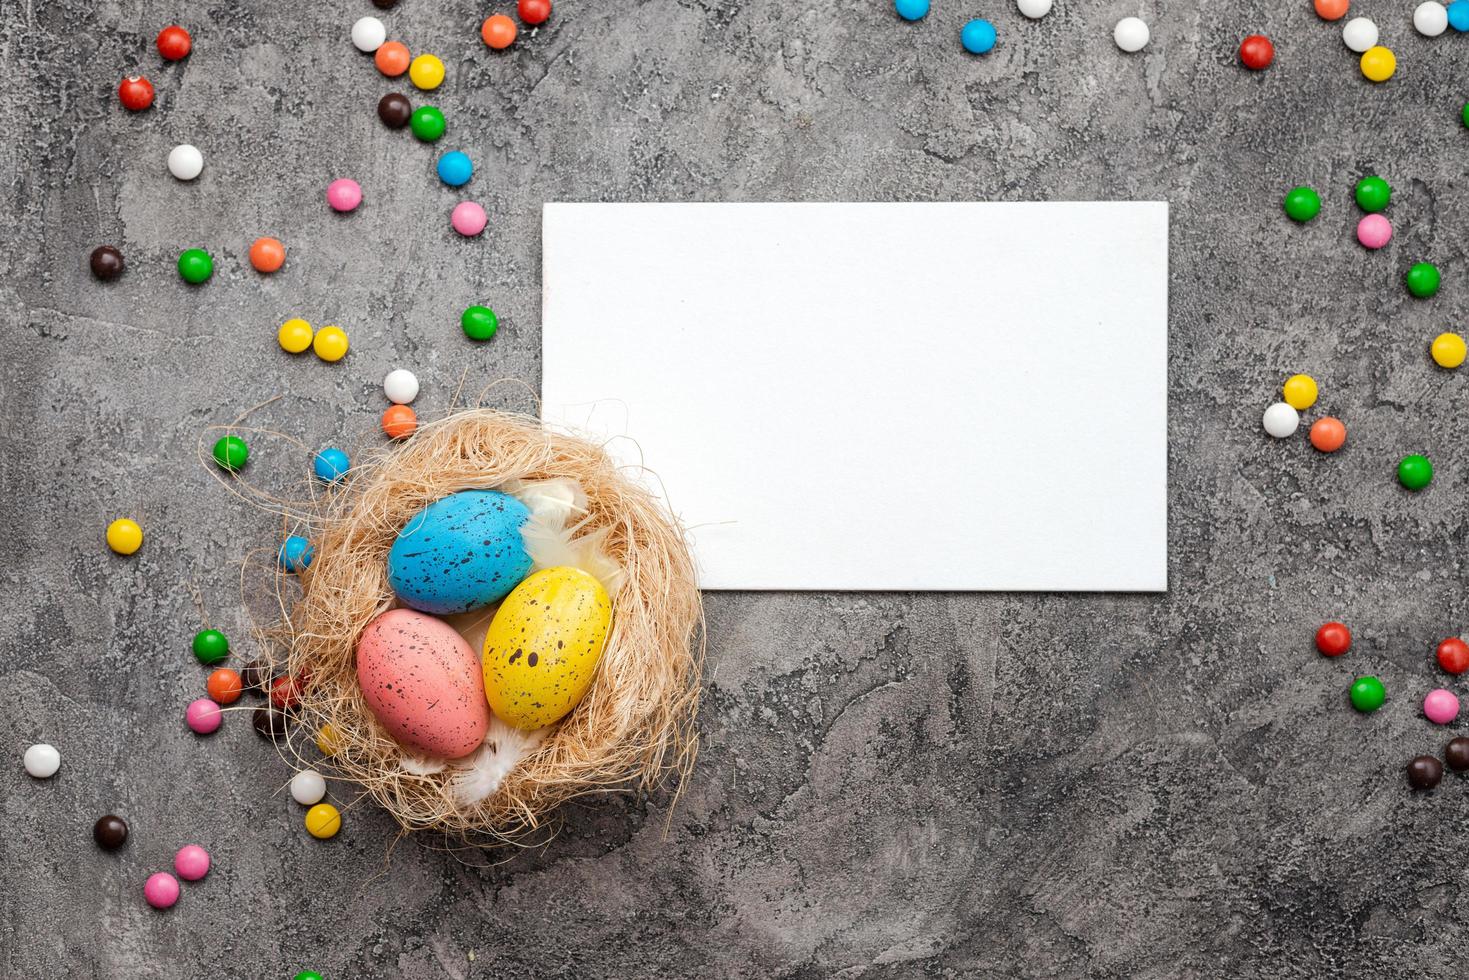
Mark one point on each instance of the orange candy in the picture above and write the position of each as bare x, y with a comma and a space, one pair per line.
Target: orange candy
224, 686
392, 58
1331, 9
498, 31
1328, 434
399, 421
267, 254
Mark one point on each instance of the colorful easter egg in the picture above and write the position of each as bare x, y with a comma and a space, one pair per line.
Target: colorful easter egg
460, 553
420, 679
543, 645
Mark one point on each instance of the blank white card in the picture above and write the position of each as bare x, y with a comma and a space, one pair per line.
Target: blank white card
877, 396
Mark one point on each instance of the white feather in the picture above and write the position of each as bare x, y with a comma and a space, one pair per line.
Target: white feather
481, 774
550, 533
420, 765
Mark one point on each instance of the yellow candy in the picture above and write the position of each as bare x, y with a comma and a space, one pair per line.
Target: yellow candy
294, 335
323, 821
330, 343
124, 536
1300, 392
1448, 350
1378, 63
426, 71
327, 740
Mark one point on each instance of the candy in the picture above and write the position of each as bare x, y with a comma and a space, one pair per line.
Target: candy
368, 34
1131, 34
1302, 203
1367, 694
1372, 193
1424, 772
1440, 706
535, 12
330, 464
267, 254
1333, 639
1359, 34
427, 123
330, 343
1378, 64
210, 646
195, 265
323, 821
1464, 114
1453, 655
455, 168
231, 453
1374, 231
269, 723
203, 716
42, 760
384, 4
106, 261
295, 335
978, 36
426, 72
191, 862
1448, 350
1459, 15
1328, 434
185, 161
174, 43
344, 194
135, 93
1430, 18
479, 322
400, 386
312, 974
1331, 9
394, 110
284, 692
124, 536
296, 554
468, 218
1422, 279
392, 59
1415, 472
498, 31
308, 787
399, 421
328, 742
1281, 420
1256, 52
161, 890
110, 832
1300, 391
1036, 9
908, 9
1456, 754
255, 675
224, 686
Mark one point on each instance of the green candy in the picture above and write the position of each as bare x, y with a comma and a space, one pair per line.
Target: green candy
1302, 204
1465, 114
1367, 694
1422, 279
307, 975
479, 323
1415, 472
427, 123
231, 453
1372, 194
195, 265
210, 646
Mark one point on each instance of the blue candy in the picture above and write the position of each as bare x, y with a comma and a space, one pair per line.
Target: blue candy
455, 168
978, 36
1459, 15
296, 554
460, 553
330, 464
911, 9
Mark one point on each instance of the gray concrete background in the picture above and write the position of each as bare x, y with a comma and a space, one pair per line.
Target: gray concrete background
890, 785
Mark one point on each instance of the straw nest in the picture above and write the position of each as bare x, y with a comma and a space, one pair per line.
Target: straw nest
633, 728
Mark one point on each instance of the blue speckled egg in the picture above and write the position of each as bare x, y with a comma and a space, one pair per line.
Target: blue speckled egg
460, 553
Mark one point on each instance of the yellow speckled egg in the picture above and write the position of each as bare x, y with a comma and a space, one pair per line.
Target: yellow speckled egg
542, 648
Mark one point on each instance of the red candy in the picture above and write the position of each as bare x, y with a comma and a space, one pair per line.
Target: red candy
1333, 640
174, 43
136, 93
284, 692
534, 12
1453, 655
1256, 52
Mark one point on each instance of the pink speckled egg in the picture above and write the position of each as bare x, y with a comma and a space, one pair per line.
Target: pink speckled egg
1374, 231
1441, 706
424, 683
344, 194
469, 219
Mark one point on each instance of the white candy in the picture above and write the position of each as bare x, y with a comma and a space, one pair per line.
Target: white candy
1131, 34
1034, 9
368, 34
400, 386
1281, 420
307, 787
42, 761
185, 161
1431, 18
1359, 33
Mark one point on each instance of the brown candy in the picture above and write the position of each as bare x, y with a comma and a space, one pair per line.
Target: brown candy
384, 4
270, 723
106, 262
394, 110
1456, 754
110, 832
255, 676
1424, 772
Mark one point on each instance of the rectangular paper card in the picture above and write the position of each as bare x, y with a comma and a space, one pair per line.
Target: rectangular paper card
877, 396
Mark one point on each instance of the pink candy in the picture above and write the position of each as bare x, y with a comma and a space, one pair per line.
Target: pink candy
1374, 231
344, 194
203, 716
1441, 706
469, 219
161, 890
191, 862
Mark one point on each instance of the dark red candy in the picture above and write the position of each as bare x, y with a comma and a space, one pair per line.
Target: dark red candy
1333, 639
136, 93
284, 692
1453, 655
1256, 52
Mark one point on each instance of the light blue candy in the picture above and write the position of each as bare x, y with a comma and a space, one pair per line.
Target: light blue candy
296, 554
978, 37
330, 464
455, 168
911, 9
460, 553
1459, 15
